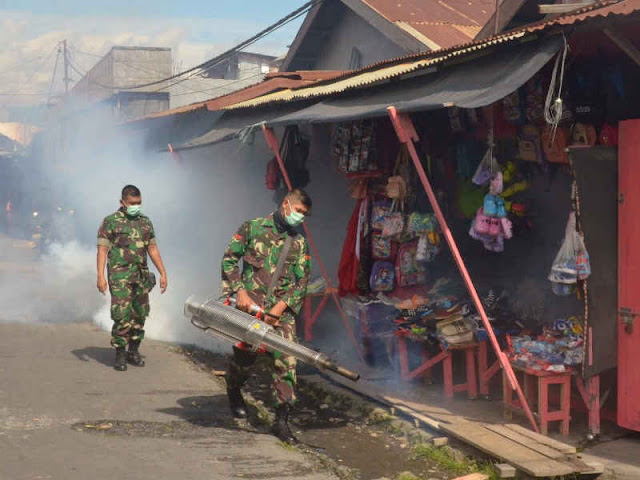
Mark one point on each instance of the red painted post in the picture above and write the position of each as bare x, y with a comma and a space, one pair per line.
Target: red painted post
272, 142
543, 404
590, 393
447, 373
407, 135
470, 367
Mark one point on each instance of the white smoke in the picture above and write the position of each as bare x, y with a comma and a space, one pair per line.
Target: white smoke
196, 205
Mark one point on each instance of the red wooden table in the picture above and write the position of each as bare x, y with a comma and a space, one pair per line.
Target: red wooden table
310, 316
539, 381
446, 358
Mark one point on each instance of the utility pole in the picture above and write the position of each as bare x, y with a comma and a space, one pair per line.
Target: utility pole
66, 79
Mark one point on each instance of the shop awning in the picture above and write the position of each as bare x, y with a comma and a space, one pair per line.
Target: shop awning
234, 122
473, 84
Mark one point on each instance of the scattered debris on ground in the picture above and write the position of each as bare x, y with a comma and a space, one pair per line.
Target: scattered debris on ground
354, 438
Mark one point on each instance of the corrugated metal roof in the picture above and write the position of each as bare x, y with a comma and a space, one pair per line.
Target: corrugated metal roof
368, 77
400, 66
272, 82
436, 23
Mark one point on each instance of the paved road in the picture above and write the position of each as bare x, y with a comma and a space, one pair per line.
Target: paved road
168, 420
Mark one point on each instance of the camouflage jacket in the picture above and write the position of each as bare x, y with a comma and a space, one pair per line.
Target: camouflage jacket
259, 243
127, 239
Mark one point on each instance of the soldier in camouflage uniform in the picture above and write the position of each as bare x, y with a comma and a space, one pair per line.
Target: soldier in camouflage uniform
259, 243
124, 239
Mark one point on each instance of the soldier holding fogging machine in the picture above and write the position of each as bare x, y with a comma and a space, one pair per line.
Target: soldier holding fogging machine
274, 276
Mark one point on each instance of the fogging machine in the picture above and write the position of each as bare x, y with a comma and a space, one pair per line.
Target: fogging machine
224, 321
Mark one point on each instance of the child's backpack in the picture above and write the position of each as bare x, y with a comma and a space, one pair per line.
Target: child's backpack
380, 246
382, 277
408, 270
379, 211
529, 144
555, 145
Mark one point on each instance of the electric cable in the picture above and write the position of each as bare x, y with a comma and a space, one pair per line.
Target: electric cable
205, 66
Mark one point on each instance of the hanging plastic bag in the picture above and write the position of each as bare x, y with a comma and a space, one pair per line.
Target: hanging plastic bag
583, 264
564, 268
487, 168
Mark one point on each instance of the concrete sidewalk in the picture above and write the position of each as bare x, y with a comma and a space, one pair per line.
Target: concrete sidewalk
168, 420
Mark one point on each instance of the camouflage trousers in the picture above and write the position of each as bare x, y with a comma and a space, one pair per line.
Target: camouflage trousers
283, 368
129, 310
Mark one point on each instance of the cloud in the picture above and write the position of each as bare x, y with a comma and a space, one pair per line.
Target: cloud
29, 40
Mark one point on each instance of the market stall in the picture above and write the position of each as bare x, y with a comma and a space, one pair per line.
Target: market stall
485, 167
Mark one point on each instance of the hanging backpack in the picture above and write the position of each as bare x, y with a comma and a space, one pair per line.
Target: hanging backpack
555, 147
408, 270
380, 246
583, 135
529, 144
379, 211
382, 277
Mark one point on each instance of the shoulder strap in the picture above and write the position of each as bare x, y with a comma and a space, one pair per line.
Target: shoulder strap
283, 258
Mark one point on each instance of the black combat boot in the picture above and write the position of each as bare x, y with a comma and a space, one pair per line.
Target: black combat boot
133, 357
236, 402
280, 426
121, 359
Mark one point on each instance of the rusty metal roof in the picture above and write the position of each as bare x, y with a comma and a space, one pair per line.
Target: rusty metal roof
388, 69
437, 23
273, 82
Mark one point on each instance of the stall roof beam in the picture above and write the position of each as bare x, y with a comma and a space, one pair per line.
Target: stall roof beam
624, 44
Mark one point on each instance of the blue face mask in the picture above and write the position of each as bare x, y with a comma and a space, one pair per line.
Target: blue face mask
134, 210
294, 218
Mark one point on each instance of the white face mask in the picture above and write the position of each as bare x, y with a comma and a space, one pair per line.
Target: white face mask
294, 218
134, 210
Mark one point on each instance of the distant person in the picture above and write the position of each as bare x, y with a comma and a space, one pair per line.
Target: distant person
274, 276
124, 239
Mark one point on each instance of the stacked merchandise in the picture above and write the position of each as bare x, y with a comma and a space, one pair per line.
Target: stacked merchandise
558, 349
491, 225
389, 243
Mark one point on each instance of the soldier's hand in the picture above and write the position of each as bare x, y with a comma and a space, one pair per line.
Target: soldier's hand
163, 283
102, 285
243, 301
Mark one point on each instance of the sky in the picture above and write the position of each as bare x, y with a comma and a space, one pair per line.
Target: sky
196, 30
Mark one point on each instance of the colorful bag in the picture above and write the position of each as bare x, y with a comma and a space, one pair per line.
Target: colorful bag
392, 224
497, 184
495, 227
486, 169
482, 223
382, 277
555, 147
529, 144
408, 270
507, 228
490, 205
422, 222
583, 135
379, 211
380, 246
